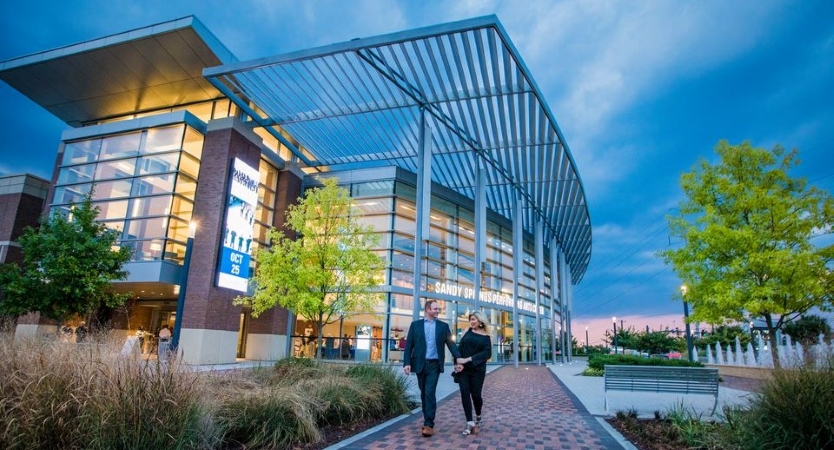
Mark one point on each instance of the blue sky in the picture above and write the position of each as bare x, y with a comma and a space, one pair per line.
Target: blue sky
640, 89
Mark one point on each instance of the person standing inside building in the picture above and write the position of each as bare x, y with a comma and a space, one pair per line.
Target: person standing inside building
475, 349
425, 355
164, 342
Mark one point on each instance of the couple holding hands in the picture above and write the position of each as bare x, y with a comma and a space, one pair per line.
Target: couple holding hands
425, 353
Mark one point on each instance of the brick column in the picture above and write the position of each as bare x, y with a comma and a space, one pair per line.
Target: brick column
267, 334
210, 322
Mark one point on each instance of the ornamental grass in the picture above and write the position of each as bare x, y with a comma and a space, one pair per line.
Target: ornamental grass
64, 395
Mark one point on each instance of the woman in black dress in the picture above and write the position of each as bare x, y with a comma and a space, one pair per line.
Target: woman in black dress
475, 349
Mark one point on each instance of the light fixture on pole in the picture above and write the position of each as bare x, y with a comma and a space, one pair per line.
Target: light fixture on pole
614, 319
175, 336
690, 349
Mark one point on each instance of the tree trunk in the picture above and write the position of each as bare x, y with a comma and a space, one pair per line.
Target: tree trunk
319, 339
774, 350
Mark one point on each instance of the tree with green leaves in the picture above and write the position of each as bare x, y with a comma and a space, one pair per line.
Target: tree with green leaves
69, 263
725, 335
747, 228
329, 271
655, 342
807, 329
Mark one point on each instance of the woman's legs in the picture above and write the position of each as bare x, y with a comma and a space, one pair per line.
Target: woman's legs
464, 380
476, 387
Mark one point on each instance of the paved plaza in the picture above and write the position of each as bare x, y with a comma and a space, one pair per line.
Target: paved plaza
531, 407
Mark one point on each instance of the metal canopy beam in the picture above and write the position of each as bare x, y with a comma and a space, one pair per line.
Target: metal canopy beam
359, 102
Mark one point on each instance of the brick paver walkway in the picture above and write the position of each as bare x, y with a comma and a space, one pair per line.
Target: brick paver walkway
524, 408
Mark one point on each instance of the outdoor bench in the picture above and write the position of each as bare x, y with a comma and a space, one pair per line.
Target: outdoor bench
685, 380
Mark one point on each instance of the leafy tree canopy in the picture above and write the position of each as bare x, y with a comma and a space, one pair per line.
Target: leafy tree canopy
747, 228
69, 263
331, 269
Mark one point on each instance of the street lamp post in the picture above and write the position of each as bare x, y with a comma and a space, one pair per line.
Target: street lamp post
175, 336
615, 334
586, 339
689, 347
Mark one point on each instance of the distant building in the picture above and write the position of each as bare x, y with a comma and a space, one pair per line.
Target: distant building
440, 134
22, 201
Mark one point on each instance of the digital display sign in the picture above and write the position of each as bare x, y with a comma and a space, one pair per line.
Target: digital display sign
235, 255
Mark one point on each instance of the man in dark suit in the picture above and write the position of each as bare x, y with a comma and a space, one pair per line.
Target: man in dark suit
425, 355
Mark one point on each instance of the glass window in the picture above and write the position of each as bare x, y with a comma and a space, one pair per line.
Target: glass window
405, 191
151, 206
375, 206
202, 110
193, 143
372, 189
221, 109
189, 165
147, 228
174, 251
76, 174
115, 169
71, 194
158, 163
405, 225
121, 145
112, 210
153, 184
164, 139
178, 229
264, 215
182, 207
379, 223
186, 186
466, 244
150, 250
402, 261
112, 189
269, 176
405, 243
266, 197
81, 152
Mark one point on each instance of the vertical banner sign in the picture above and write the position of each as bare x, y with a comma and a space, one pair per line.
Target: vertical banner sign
240, 225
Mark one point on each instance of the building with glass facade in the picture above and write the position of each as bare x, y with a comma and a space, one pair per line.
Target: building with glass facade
440, 134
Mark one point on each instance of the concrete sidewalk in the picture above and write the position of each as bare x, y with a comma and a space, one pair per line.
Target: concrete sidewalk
525, 408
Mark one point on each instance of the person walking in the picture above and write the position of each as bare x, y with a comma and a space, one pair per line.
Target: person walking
470, 368
425, 355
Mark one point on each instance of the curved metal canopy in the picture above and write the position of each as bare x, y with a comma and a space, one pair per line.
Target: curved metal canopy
358, 104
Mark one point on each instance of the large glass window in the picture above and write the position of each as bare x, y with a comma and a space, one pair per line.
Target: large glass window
112, 210
158, 163
76, 174
81, 152
151, 206
121, 145
147, 184
112, 189
164, 139
122, 168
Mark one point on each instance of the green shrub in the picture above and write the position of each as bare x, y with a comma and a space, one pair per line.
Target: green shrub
793, 411
268, 418
592, 372
390, 385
